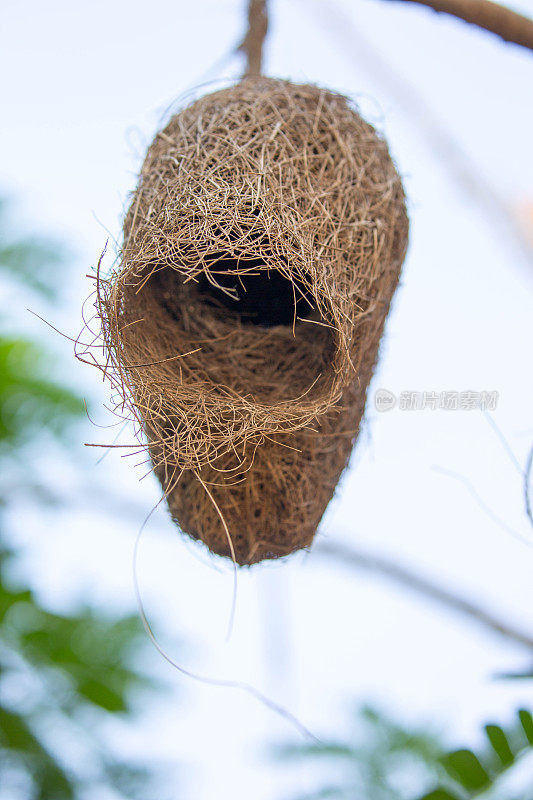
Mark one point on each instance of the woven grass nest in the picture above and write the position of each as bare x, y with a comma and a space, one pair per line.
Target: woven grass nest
261, 251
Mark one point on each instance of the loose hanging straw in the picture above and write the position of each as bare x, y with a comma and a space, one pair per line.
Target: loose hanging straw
261, 251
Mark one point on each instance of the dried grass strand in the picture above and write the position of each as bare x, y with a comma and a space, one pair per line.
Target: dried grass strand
282, 190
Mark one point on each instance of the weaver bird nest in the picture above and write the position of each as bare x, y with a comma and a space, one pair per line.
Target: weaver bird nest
261, 251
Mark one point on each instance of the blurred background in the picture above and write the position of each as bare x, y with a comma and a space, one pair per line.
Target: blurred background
408, 627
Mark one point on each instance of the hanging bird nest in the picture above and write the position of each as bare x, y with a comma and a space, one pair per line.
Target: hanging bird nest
261, 251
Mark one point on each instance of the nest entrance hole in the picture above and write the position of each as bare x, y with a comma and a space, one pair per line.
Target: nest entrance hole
250, 296
247, 289
255, 293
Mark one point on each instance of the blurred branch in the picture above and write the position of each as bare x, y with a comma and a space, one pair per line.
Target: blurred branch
527, 486
350, 557
435, 132
134, 513
252, 44
502, 21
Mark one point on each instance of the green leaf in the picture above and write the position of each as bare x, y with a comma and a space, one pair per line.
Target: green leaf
17, 737
322, 750
499, 742
526, 721
131, 781
327, 792
33, 261
515, 676
101, 694
30, 402
465, 766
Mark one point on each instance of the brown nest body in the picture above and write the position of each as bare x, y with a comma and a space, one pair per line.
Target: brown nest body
261, 252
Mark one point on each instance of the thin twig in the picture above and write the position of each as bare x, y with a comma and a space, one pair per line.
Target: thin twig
482, 504
252, 44
505, 23
411, 580
527, 486
524, 473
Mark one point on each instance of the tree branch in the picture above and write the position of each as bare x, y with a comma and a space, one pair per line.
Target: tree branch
411, 580
252, 44
426, 122
505, 23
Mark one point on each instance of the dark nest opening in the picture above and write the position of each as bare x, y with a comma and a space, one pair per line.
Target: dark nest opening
256, 294
246, 289
257, 329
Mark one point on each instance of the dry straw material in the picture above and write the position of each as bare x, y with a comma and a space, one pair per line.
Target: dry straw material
261, 251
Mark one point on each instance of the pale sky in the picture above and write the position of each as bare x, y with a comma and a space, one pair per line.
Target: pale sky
84, 88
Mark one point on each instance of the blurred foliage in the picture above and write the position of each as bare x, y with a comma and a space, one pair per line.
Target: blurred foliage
387, 761
32, 261
29, 402
476, 775
70, 669
62, 675
376, 765
523, 674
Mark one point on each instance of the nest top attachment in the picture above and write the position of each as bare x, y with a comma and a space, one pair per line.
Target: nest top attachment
261, 251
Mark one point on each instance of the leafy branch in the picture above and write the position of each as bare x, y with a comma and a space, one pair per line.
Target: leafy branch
375, 764
472, 775
76, 668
